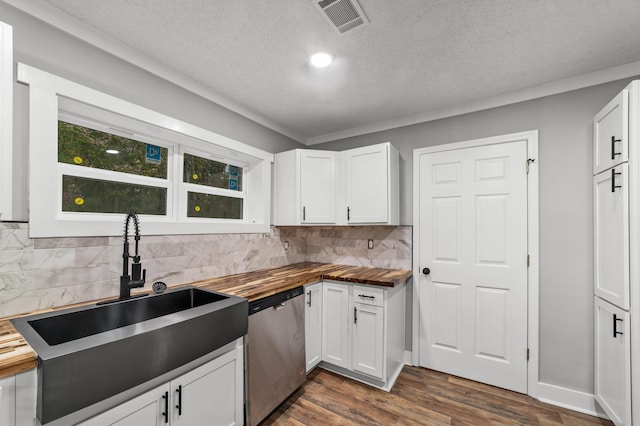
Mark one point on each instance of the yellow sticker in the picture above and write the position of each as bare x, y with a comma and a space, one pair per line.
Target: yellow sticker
197, 208
79, 201
195, 176
77, 160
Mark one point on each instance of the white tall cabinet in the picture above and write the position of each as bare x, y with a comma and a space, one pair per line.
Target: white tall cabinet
616, 195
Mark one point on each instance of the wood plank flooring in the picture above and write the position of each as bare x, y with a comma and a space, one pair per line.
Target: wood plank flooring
419, 397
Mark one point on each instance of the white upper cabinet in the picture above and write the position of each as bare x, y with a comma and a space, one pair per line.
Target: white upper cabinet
611, 134
305, 187
371, 185
361, 185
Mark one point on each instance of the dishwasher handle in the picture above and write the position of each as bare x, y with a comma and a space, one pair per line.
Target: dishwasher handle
280, 306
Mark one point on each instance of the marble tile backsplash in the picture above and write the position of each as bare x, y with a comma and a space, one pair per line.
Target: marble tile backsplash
47, 272
348, 245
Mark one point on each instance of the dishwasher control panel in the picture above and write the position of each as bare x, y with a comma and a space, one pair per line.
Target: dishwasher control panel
275, 300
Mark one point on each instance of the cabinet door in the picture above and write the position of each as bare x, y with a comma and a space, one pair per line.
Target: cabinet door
611, 134
367, 182
211, 394
613, 362
611, 245
335, 324
8, 401
318, 186
313, 324
146, 409
368, 340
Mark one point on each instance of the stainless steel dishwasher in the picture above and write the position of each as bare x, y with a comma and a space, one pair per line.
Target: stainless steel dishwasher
275, 352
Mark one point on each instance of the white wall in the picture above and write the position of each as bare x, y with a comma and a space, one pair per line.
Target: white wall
565, 164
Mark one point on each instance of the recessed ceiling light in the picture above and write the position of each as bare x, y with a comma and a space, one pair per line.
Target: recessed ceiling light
112, 151
321, 60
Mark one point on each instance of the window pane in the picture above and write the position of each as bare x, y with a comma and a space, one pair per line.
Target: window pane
101, 196
213, 206
202, 171
92, 148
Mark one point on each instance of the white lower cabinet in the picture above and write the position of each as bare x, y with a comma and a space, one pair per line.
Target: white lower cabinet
18, 399
211, 394
367, 340
613, 361
313, 324
335, 323
363, 331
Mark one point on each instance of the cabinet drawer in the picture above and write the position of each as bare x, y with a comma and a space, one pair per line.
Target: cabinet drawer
368, 295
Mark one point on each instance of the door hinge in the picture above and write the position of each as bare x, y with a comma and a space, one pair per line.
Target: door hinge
528, 261
529, 161
527, 354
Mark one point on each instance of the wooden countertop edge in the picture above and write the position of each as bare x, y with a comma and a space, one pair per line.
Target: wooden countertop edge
21, 357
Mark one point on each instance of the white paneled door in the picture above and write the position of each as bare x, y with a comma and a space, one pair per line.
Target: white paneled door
473, 239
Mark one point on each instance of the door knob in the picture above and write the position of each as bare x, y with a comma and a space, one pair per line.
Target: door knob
426, 271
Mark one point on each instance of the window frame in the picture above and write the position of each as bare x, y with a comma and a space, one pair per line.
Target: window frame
186, 187
52, 98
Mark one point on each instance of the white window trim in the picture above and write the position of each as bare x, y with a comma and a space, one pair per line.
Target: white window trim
46, 218
6, 122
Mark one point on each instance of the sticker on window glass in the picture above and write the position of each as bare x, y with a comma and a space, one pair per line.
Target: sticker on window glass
233, 171
233, 184
153, 154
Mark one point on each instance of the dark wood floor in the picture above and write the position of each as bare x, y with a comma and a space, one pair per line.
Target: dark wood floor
419, 397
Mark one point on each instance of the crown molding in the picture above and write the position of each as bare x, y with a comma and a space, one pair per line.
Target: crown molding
552, 88
70, 25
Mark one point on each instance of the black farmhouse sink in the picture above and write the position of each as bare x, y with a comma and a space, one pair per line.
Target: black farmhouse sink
90, 353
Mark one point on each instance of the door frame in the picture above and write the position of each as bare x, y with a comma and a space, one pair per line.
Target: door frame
533, 301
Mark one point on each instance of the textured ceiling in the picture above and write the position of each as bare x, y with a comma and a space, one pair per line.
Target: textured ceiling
414, 56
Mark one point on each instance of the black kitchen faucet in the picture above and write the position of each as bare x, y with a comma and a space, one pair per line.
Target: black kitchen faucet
138, 275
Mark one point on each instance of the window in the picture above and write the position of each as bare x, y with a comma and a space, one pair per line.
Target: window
94, 158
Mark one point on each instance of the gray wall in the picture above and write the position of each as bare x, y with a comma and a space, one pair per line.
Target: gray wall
40, 45
565, 164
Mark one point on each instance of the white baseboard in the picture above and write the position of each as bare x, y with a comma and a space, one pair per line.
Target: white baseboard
568, 398
407, 358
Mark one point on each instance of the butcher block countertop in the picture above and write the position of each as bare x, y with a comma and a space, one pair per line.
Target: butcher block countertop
258, 284
17, 356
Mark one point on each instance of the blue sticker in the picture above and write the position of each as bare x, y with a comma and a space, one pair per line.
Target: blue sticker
233, 170
153, 154
233, 184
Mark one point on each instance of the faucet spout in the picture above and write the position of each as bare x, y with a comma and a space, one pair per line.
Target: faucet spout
138, 275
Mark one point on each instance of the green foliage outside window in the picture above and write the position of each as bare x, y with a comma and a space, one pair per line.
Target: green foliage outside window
213, 206
102, 196
88, 147
202, 171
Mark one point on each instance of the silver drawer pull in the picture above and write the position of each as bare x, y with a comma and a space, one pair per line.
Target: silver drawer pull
367, 297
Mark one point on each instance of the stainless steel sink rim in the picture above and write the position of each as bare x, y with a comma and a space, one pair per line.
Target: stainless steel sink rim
46, 351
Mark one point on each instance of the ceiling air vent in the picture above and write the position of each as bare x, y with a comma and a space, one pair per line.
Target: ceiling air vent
344, 15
